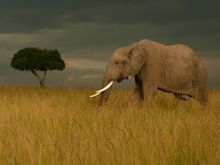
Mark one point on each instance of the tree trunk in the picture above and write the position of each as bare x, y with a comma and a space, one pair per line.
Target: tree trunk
42, 80
42, 83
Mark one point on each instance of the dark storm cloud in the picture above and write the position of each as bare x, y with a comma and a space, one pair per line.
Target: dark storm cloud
91, 30
24, 16
172, 20
194, 22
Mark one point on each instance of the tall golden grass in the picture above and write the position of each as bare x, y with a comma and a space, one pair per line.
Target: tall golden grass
64, 126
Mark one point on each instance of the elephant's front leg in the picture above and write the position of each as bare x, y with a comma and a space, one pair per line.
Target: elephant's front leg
138, 92
149, 92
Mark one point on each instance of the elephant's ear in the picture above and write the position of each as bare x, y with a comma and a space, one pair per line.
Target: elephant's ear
137, 56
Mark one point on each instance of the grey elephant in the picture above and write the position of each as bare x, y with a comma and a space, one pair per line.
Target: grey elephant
174, 69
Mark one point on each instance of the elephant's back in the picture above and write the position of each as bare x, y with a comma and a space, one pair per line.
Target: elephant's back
181, 51
153, 47
176, 51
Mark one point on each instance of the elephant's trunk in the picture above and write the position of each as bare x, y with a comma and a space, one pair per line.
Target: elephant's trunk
106, 93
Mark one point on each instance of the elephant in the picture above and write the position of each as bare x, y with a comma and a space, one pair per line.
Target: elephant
175, 69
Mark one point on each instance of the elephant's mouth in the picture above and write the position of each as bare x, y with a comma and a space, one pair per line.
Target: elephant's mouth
120, 79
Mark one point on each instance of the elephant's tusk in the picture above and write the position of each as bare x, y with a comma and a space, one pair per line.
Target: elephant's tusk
106, 87
95, 95
103, 89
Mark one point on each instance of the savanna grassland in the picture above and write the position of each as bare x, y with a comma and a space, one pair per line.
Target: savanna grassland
64, 126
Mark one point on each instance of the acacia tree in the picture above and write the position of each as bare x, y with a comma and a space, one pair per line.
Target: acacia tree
37, 60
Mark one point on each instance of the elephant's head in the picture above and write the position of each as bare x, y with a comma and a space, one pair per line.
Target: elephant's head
124, 62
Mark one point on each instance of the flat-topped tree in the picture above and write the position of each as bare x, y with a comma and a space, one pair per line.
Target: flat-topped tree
37, 60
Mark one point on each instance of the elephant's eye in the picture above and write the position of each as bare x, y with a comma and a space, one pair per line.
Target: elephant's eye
124, 62
116, 62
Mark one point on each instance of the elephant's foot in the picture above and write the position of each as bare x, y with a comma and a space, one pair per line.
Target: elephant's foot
149, 99
135, 101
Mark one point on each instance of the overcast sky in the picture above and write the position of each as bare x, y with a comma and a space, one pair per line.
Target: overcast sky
87, 32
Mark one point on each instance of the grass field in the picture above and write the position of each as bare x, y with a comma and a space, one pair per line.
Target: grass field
64, 126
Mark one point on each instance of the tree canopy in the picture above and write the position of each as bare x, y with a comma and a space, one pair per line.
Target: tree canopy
35, 59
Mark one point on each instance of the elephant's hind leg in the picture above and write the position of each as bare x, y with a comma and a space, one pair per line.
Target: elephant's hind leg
201, 95
201, 86
201, 92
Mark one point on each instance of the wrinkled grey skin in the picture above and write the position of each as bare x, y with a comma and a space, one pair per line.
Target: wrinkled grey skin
174, 69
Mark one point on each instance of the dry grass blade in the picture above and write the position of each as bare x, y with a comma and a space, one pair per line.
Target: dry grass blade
53, 126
